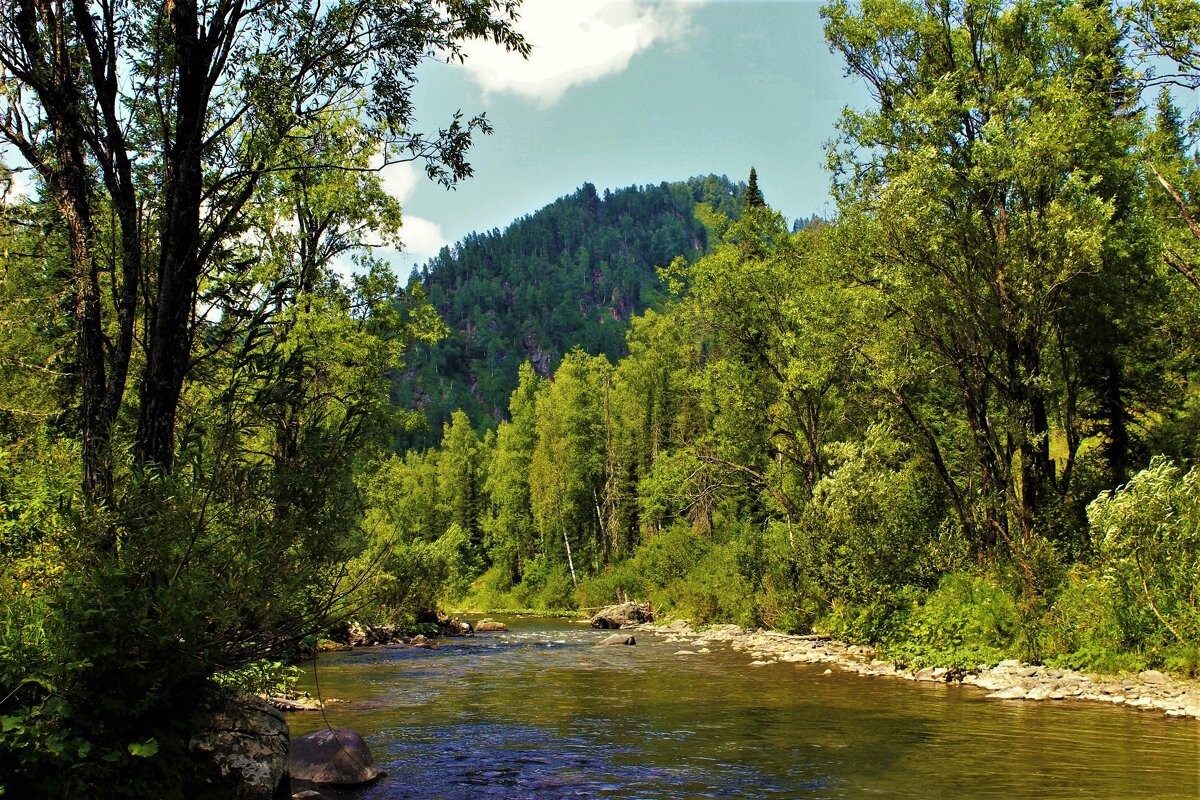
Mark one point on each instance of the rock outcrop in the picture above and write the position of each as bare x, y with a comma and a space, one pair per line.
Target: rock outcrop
623, 614
333, 757
238, 750
453, 627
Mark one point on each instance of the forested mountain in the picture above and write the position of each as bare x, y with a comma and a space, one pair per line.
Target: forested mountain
957, 421
571, 274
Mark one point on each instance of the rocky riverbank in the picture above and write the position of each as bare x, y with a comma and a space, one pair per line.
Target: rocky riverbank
1008, 680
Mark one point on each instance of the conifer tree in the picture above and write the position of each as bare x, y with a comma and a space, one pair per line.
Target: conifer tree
754, 197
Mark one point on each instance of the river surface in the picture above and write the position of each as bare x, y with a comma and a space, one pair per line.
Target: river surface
541, 712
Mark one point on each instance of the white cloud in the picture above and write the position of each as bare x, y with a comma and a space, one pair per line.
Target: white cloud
399, 180
575, 42
422, 238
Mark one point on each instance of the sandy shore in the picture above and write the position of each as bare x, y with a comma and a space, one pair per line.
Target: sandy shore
1008, 680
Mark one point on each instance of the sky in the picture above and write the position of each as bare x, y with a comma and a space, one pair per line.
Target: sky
622, 92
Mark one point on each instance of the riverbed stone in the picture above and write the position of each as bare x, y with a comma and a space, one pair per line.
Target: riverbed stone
1011, 693
333, 757
1152, 676
489, 625
453, 627
1010, 679
618, 639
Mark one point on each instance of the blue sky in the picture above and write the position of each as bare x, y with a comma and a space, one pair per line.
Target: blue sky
619, 92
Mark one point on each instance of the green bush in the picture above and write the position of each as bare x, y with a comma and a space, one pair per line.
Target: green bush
1147, 539
463, 561
1092, 625
715, 590
262, 677
670, 554
623, 579
968, 620
406, 583
866, 531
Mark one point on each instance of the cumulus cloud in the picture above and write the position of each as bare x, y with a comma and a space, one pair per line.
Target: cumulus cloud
399, 180
422, 238
575, 42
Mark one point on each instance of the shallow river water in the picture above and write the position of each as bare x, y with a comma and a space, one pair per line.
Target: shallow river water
541, 712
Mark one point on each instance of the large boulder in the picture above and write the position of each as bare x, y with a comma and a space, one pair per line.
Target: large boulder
238, 750
623, 614
486, 625
333, 757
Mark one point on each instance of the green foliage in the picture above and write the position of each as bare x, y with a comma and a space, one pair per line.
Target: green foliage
968, 620
546, 587
1093, 625
265, 677
866, 532
454, 548
1147, 538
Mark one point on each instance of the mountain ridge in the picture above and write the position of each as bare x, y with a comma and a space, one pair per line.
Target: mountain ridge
570, 274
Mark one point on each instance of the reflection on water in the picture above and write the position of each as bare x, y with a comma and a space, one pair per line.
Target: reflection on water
540, 712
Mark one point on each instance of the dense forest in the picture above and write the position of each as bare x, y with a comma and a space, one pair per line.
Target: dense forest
572, 274
956, 421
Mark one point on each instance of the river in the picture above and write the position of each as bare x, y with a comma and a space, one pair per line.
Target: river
541, 712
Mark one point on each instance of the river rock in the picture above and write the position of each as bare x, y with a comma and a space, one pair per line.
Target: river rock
486, 625
1152, 676
295, 702
1042, 693
623, 614
617, 639
238, 750
422, 642
359, 633
453, 627
1011, 693
333, 757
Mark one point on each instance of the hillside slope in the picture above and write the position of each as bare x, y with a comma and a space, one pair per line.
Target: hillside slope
571, 274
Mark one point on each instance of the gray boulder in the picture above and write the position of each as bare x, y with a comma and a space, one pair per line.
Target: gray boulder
333, 757
617, 639
622, 614
238, 750
454, 627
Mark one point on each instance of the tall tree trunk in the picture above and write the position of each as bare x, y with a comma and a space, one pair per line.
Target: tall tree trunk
179, 258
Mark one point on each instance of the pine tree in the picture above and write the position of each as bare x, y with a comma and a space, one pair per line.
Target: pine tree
754, 198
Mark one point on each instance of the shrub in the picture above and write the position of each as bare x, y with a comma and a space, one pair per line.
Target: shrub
1147, 538
1092, 625
968, 620
865, 533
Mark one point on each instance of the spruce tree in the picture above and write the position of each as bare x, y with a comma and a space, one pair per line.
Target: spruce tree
753, 198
